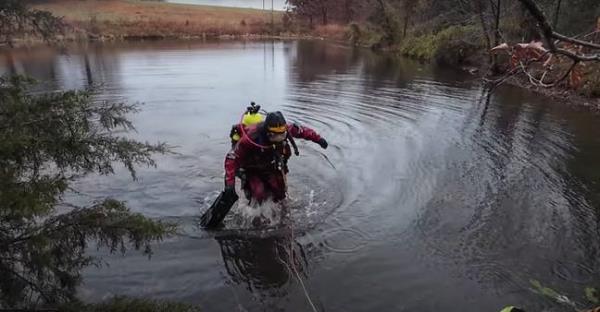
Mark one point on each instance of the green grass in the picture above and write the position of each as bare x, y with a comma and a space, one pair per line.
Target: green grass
436, 45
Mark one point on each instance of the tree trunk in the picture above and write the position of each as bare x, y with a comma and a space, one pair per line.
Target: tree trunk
405, 26
486, 35
556, 14
388, 28
348, 11
497, 34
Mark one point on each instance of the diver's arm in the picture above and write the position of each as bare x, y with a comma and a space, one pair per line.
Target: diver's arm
306, 133
233, 160
301, 132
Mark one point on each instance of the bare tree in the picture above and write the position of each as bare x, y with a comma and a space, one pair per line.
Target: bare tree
549, 58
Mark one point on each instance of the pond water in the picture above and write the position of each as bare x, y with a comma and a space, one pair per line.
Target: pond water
433, 195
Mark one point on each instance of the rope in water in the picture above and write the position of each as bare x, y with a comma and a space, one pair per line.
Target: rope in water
312, 305
292, 264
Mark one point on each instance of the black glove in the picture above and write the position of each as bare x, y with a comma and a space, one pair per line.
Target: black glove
229, 190
323, 143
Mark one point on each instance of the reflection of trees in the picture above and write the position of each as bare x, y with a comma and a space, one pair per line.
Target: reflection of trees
315, 59
88, 69
39, 64
380, 68
263, 264
10, 63
564, 156
88, 65
519, 198
582, 175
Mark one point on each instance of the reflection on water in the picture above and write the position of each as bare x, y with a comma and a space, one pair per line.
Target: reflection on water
262, 264
433, 194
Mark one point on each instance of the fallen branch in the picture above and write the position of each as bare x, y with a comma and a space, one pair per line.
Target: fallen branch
557, 47
576, 41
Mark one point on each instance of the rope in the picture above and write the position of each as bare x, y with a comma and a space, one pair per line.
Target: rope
293, 266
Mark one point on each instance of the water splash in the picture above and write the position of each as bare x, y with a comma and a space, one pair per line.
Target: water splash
254, 215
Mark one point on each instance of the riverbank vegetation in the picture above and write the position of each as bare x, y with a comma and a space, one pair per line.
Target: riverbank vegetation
464, 33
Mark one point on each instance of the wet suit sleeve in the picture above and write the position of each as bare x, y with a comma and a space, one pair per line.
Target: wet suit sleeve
233, 161
301, 132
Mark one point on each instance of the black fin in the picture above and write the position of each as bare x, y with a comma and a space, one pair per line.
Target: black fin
216, 213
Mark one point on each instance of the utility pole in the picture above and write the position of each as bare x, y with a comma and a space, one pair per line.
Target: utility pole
272, 24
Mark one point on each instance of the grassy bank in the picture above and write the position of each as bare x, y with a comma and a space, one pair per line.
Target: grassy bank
128, 19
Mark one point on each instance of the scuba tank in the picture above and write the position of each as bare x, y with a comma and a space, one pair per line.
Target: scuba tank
251, 117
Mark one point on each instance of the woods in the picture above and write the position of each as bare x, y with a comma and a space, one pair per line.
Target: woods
474, 32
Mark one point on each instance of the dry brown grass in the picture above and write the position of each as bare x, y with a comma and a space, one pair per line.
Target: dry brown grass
128, 18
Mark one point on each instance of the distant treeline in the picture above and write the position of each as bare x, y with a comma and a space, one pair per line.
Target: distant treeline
568, 16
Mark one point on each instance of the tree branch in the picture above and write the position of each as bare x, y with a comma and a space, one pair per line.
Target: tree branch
540, 82
34, 287
575, 41
577, 57
549, 34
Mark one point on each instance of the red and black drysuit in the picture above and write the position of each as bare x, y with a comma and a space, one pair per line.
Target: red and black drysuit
263, 165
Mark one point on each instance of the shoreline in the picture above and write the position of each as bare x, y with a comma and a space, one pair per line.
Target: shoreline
128, 20
564, 96
568, 97
32, 43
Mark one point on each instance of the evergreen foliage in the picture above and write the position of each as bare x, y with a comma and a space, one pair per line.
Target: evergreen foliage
47, 142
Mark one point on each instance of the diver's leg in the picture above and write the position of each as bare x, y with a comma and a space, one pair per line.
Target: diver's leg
257, 188
276, 184
244, 183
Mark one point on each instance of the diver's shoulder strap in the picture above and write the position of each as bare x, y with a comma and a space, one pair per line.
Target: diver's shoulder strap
293, 144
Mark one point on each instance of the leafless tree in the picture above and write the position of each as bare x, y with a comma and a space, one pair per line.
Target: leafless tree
551, 55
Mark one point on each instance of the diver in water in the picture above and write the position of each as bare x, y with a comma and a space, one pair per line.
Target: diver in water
260, 157
261, 148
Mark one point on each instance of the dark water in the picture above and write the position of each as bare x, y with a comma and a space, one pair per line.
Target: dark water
437, 197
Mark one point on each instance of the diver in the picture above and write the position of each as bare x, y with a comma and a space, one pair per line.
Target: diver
260, 157
261, 148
